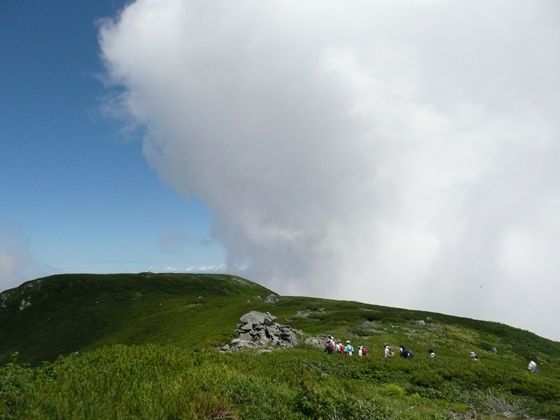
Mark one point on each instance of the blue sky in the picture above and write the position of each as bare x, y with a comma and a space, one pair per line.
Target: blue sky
76, 189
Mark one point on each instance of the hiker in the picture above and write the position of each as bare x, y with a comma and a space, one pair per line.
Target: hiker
329, 346
532, 366
388, 352
474, 357
340, 348
348, 349
363, 351
432, 354
406, 353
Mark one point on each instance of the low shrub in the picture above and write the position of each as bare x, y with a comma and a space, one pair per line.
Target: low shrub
393, 390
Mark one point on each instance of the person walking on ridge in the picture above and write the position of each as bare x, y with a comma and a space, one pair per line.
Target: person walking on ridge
388, 352
348, 350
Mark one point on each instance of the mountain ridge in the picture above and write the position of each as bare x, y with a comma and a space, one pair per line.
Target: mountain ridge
82, 306
148, 346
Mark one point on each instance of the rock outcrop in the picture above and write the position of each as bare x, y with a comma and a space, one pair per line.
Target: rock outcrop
271, 299
260, 330
317, 341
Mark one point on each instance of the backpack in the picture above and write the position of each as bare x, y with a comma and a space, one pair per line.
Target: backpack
406, 353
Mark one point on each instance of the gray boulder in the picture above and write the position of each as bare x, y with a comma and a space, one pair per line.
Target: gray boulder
269, 319
252, 318
272, 330
261, 331
245, 328
245, 337
257, 318
271, 299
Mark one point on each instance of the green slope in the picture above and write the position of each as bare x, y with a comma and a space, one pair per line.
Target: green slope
44, 318
67, 313
172, 324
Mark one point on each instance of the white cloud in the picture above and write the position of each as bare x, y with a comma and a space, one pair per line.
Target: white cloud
16, 262
209, 268
397, 152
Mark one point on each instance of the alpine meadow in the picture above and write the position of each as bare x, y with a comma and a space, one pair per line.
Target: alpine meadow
150, 346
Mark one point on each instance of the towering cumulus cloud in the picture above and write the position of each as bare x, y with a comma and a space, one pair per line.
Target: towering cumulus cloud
397, 152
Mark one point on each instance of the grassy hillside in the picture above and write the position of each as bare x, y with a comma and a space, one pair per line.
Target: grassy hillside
61, 314
145, 346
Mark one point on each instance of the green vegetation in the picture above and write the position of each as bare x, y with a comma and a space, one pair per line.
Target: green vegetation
67, 313
146, 346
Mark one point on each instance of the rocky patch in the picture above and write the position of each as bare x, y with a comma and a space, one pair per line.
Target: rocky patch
24, 304
317, 341
271, 299
261, 331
